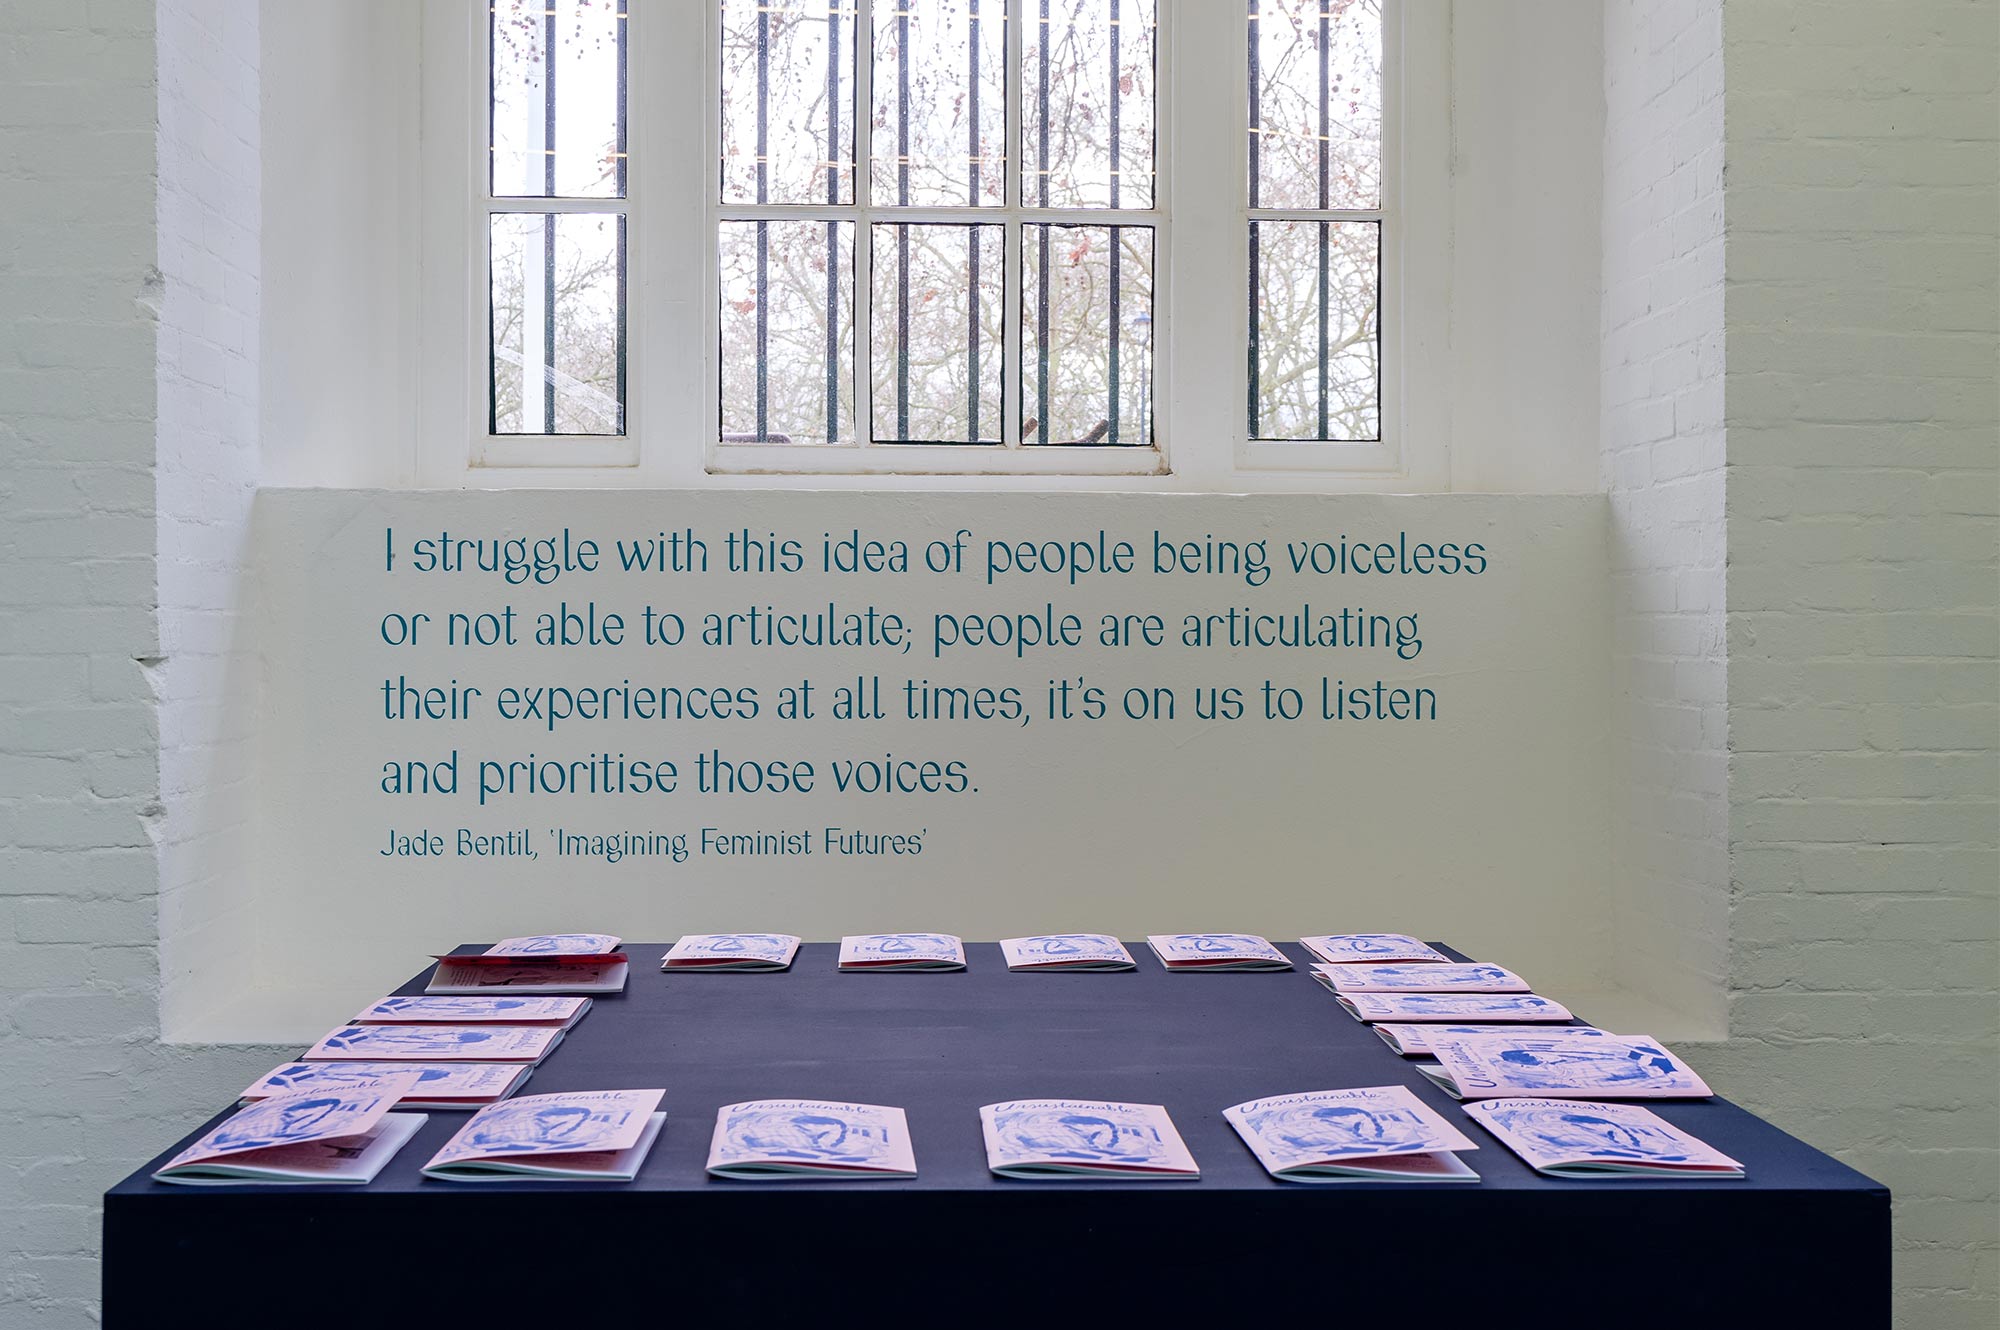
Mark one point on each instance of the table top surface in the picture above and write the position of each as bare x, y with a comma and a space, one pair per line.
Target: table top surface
941, 1044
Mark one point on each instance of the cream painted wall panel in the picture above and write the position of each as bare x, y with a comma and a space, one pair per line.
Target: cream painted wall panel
1485, 827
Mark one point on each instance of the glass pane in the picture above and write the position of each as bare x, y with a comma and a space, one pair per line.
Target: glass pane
940, 102
935, 345
1315, 103
1087, 103
558, 71
558, 323
1087, 334
1314, 348
787, 332
787, 101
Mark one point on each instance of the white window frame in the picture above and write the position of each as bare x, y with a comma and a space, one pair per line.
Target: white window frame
1201, 253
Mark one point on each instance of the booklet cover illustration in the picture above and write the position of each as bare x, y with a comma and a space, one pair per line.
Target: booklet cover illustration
463, 975
792, 1138
345, 1135
550, 948
436, 1084
435, 1043
1414, 1040
1558, 1065
1216, 951
1430, 977
589, 1135
1469, 1008
732, 951
1371, 949
902, 951
428, 1009
1378, 1133
1039, 1138
1066, 951
1567, 1139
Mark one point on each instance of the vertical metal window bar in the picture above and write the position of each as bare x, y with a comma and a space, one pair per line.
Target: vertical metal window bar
1041, 420
902, 228
832, 227
763, 227
1325, 202
1256, 163
622, 149
972, 201
1111, 414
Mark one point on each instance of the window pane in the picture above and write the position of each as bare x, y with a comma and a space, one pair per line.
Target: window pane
940, 85
787, 101
787, 332
1314, 354
936, 341
558, 88
558, 323
1087, 112
1087, 335
1315, 103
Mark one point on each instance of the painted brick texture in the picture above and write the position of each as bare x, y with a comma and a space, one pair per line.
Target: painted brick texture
1864, 703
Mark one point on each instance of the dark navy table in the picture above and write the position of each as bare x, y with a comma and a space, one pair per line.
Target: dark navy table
1804, 1240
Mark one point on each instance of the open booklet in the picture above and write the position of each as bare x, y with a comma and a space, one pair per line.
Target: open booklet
1195, 952
435, 1043
732, 951
342, 1135
1430, 977
902, 951
810, 1138
1040, 1138
587, 1135
1370, 949
1413, 1041
1379, 1134
1468, 1008
1556, 1064
461, 974
561, 1013
1066, 951
1567, 1139
436, 1085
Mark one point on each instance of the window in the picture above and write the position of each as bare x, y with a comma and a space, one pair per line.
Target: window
942, 237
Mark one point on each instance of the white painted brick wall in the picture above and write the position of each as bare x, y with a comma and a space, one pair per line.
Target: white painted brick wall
1863, 294
1662, 458
89, 1091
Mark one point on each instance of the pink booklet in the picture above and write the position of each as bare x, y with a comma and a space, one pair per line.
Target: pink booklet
1470, 1008
435, 1043
1567, 1139
542, 949
470, 975
1430, 977
1555, 1064
1380, 1133
1370, 949
497, 1009
343, 1135
587, 1135
1413, 1041
438, 1084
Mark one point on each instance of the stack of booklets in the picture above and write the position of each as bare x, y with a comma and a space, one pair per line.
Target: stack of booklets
810, 1138
1066, 951
544, 963
1199, 952
1371, 949
435, 1043
1042, 1138
902, 951
588, 1135
344, 1135
1567, 1139
1428, 977
1413, 1041
1466, 1008
732, 951
1378, 1134
561, 1013
1557, 1064
445, 1085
